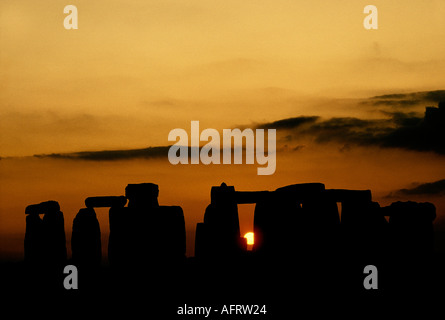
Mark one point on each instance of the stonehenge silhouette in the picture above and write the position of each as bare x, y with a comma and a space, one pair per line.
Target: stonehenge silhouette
298, 230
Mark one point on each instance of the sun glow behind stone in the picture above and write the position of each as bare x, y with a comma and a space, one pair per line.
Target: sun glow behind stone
250, 238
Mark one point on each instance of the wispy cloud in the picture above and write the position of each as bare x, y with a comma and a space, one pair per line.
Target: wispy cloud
111, 155
116, 155
430, 188
289, 123
396, 129
405, 130
406, 100
435, 96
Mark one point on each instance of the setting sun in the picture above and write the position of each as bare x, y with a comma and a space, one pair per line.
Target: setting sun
250, 238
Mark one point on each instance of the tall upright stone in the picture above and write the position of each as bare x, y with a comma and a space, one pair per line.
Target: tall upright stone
221, 224
145, 233
86, 239
45, 241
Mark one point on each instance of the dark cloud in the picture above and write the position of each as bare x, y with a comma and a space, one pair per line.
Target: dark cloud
115, 155
350, 130
406, 130
435, 96
110, 155
427, 134
405, 119
398, 130
406, 100
289, 123
430, 188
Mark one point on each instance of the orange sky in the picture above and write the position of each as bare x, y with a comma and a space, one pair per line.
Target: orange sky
134, 70
30, 180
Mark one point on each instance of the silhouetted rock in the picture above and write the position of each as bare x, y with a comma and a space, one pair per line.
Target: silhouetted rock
411, 226
33, 238
322, 225
364, 228
300, 241
120, 235
85, 241
45, 242
202, 246
43, 207
145, 233
105, 201
168, 241
54, 243
142, 195
411, 246
301, 191
276, 227
219, 236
